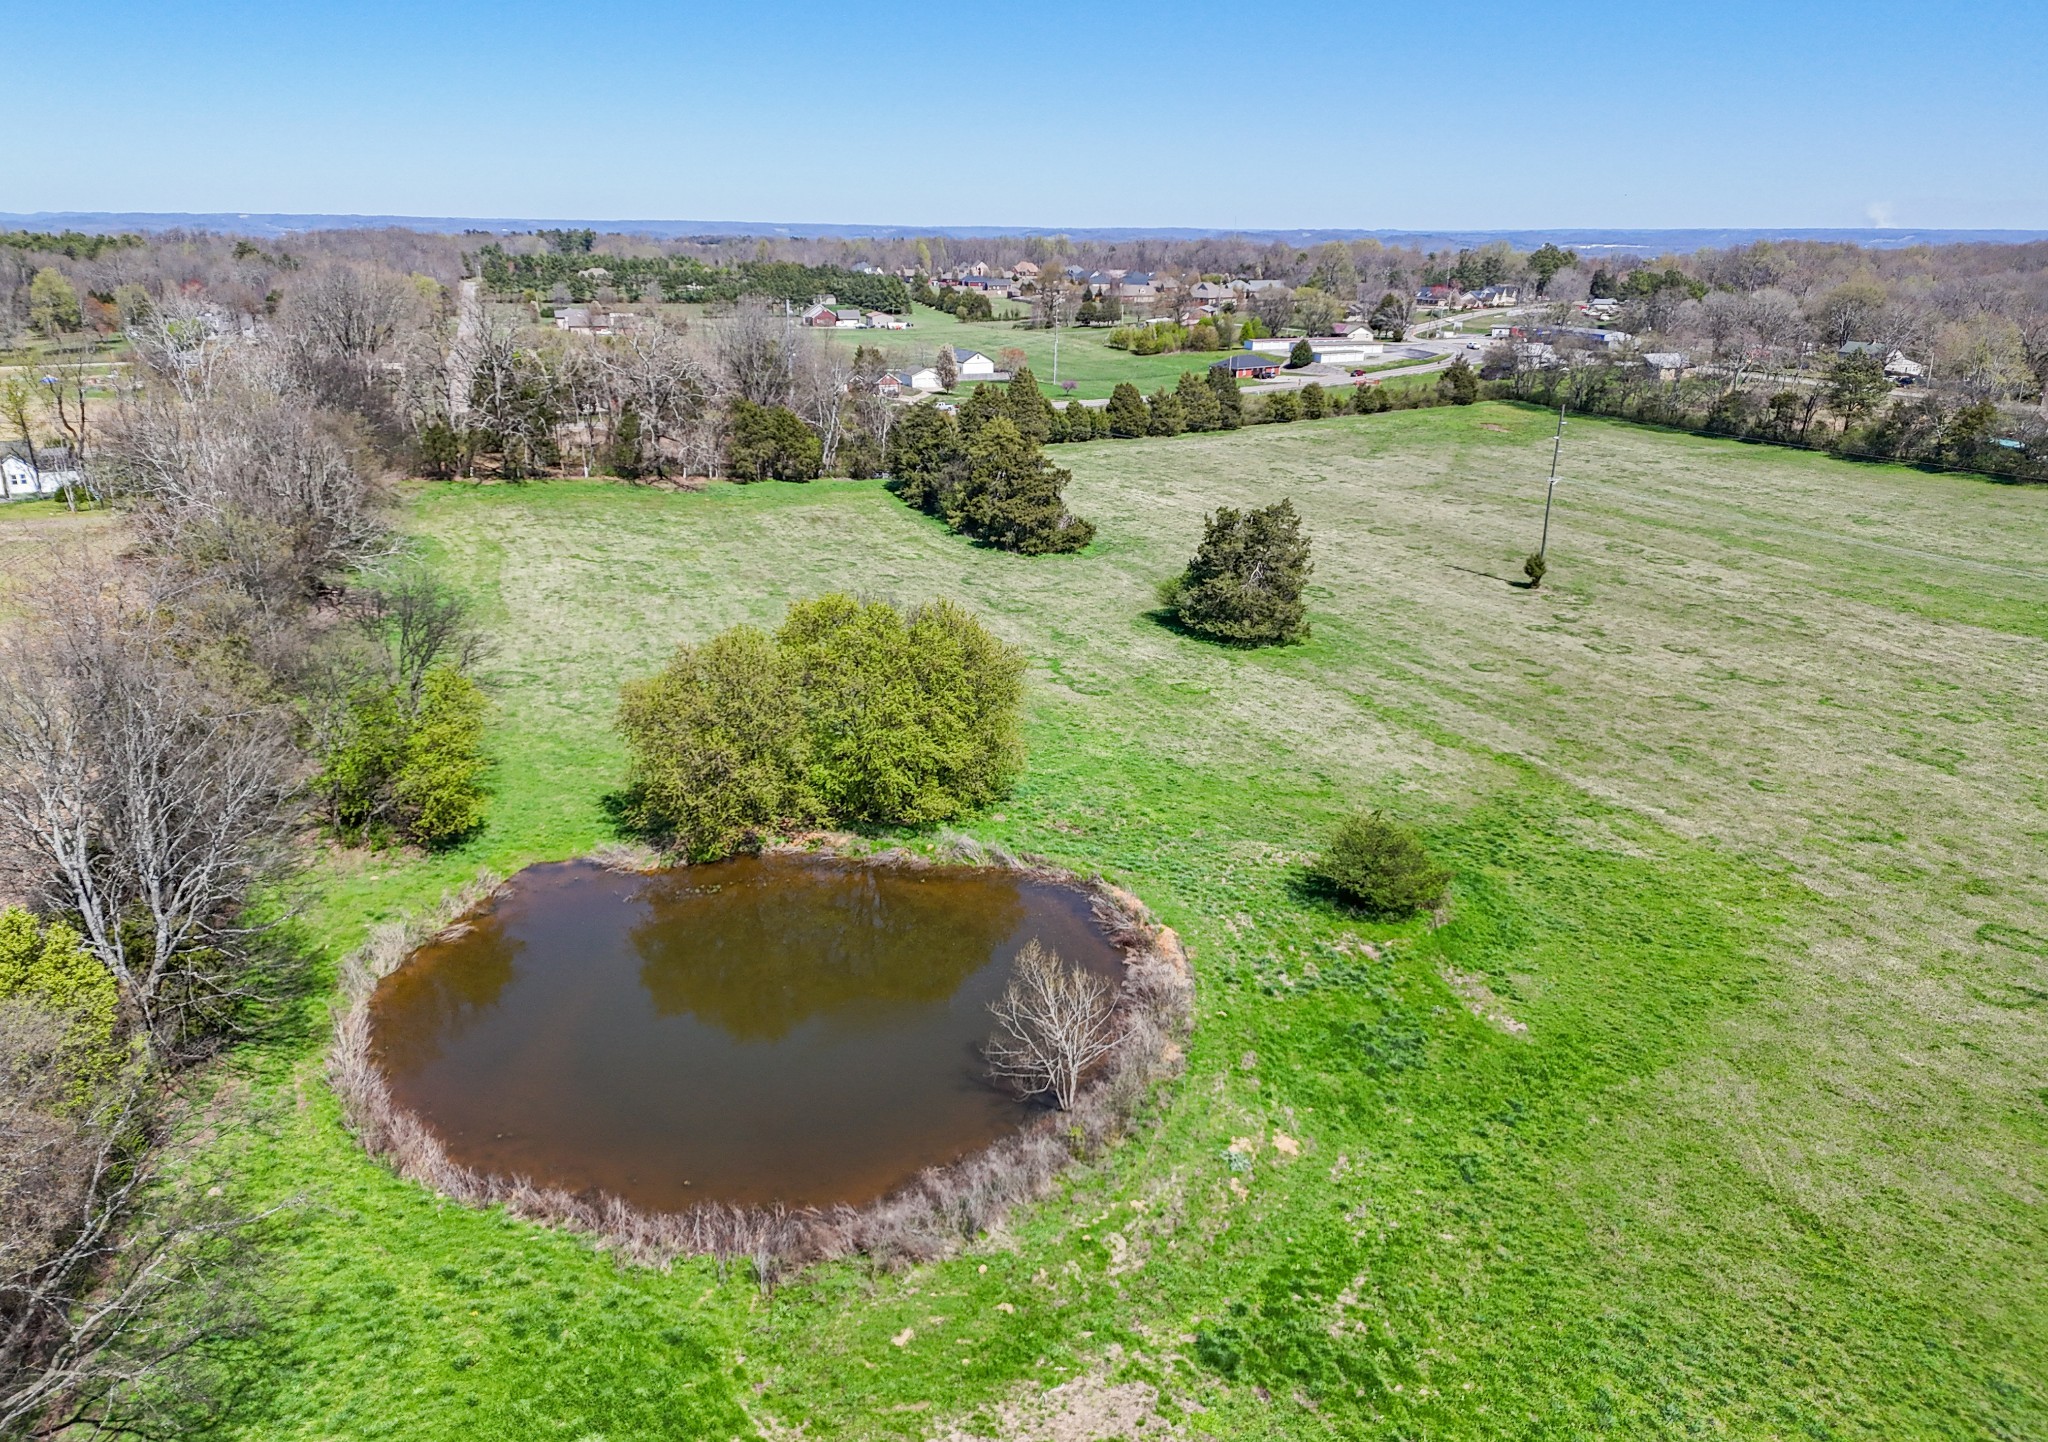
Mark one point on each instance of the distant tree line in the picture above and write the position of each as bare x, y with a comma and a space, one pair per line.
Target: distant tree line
585, 274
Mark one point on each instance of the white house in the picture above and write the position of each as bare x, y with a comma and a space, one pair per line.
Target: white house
53, 471
882, 320
924, 378
974, 366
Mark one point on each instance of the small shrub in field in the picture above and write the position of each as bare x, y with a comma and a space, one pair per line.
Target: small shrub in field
1381, 865
852, 712
1535, 568
1244, 582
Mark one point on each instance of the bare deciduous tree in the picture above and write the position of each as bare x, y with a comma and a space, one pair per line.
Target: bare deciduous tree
142, 799
1054, 1023
101, 1300
756, 351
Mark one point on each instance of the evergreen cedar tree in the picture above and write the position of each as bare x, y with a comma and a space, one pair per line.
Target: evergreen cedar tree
853, 713
1458, 384
1315, 402
1302, 354
771, 443
1283, 406
984, 475
1244, 583
1382, 866
1166, 416
1128, 416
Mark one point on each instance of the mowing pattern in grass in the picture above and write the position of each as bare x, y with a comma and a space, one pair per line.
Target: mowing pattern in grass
1717, 1105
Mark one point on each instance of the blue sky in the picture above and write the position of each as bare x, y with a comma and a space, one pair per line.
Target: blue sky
1574, 113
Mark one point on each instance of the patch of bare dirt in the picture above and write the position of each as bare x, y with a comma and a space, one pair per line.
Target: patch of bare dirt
1088, 1409
1481, 1002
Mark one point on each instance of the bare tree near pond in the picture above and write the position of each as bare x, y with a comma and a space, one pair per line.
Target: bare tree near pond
143, 799
102, 1299
1054, 1024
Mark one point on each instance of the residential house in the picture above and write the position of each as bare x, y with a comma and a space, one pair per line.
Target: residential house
589, 321
1498, 295
1665, 365
1249, 365
1897, 367
893, 384
50, 472
882, 320
1210, 293
1137, 287
1025, 270
1440, 295
823, 316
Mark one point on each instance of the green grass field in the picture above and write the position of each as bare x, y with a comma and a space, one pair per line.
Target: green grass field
1085, 354
1717, 1108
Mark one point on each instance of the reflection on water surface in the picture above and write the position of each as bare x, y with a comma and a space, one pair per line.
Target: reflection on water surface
774, 1028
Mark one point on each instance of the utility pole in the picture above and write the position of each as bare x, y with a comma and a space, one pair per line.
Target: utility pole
1556, 446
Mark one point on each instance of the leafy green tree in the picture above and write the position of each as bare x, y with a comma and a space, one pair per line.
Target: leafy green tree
1546, 261
1282, 407
925, 457
948, 368
1229, 399
1167, 417
439, 784
1197, 402
47, 965
52, 302
1245, 581
721, 751
854, 712
1315, 402
1458, 385
1301, 354
1334, 270
1856, 386
911, 717
1382, 866
1127, 413
1013, 498
771, 443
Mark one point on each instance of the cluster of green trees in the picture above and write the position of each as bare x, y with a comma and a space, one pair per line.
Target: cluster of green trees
984, 472
1222, 332
400, 732
72, 244
852, 713
1245, 581
680, 278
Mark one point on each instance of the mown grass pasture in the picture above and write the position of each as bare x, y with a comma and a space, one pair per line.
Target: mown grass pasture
1714, 1107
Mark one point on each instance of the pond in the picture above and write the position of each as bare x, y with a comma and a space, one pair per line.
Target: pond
790, 1029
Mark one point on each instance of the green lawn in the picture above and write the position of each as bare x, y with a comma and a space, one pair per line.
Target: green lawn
1085, 355
1716, 1109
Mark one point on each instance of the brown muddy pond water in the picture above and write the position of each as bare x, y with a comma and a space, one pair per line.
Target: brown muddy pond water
770, 1029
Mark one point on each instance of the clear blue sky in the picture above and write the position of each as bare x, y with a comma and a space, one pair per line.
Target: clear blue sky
1572, 113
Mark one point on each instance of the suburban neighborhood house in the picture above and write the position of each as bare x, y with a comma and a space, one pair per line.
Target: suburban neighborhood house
50, 472
1899, 370
972, 365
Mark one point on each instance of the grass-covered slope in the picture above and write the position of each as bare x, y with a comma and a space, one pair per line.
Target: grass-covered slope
1717, 1107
